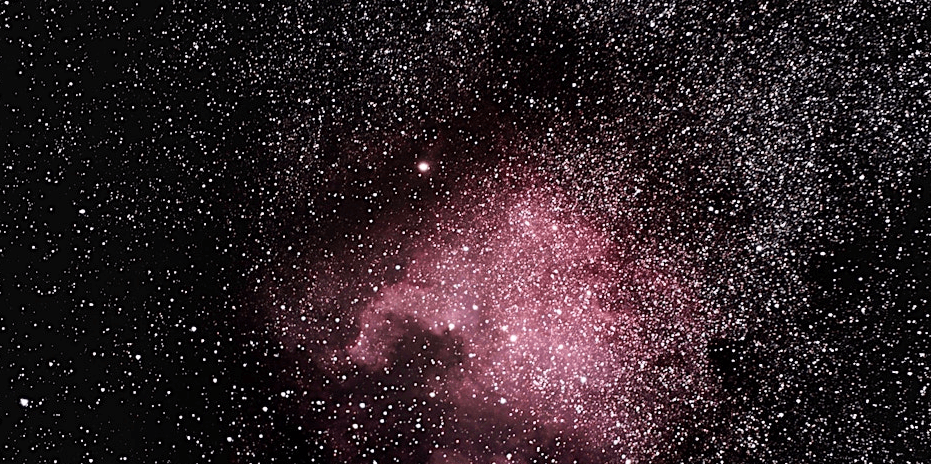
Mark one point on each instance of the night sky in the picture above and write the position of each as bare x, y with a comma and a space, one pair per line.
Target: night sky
465, 232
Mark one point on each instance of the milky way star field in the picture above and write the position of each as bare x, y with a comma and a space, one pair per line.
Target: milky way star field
466, 232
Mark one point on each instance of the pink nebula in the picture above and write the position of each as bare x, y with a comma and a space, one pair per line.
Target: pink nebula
549, 320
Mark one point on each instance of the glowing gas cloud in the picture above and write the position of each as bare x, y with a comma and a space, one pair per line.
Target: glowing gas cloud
522, 326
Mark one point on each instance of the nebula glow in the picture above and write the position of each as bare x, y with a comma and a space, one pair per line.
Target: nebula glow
521, 326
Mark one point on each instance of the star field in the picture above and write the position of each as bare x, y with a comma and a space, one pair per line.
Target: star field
466, 232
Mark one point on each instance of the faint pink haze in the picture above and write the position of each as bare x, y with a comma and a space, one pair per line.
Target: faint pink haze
553, 323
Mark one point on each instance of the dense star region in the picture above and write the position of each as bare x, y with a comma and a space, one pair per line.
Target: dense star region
465, 232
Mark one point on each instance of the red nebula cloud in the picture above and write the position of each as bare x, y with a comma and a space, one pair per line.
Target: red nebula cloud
548, 320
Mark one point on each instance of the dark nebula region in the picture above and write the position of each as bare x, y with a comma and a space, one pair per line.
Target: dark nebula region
466, 232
